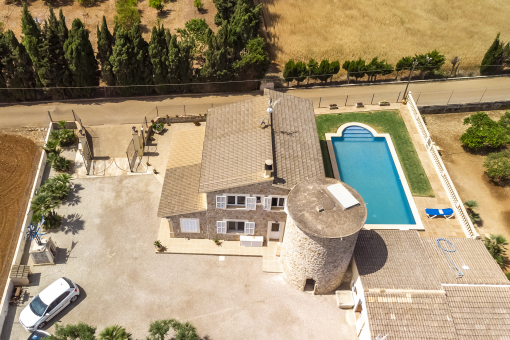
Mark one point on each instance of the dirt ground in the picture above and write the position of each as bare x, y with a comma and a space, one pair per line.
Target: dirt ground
17, 170
35, 134
467, 172
175, 14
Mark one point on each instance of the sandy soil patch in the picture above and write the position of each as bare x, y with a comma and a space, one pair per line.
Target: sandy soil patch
176, 13
467, 172
388, 29
17, 169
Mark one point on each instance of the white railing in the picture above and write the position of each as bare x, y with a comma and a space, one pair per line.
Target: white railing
448, 185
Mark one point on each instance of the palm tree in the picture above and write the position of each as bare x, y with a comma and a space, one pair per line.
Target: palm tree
51, 145
115, 332
158, 329
44, 205
470, 209
58, 162
496, 245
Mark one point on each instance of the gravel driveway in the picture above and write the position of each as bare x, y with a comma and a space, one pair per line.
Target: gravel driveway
106, 248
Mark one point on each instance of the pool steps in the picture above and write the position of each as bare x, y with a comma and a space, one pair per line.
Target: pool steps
357, 133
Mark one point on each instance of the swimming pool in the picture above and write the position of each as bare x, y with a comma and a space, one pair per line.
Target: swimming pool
366, 163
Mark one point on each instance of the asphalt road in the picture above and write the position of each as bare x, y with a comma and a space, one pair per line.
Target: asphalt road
133, 110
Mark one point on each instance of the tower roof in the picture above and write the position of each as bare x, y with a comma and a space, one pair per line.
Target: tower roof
326, 208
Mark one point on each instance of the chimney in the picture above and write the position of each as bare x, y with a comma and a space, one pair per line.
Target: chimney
268, 168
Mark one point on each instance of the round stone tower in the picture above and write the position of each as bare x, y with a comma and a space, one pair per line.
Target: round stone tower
324, 217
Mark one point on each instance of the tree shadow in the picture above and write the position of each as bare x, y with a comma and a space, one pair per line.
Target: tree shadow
59, 3
73, 198
483, 151
94, 3
164, 13
72, 223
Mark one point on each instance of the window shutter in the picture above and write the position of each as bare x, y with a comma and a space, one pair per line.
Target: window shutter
249, 228
221, 202
189, 225
251, 203
267, 203
221, 227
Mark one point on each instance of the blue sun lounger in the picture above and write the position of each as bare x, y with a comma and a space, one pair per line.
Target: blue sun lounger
447, 213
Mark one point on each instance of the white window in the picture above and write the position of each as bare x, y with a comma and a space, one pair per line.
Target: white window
190, 225
259, 198
221, 227
251, 203
236, 201
221, 202
274, 203
250, 228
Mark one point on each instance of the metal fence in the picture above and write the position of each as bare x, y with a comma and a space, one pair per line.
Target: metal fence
482, 95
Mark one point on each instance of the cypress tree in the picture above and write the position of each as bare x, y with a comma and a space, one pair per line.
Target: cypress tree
3, 53
158, 52
186, 61
173, 60
143, 67
80, 57
123, 61
493, 59
18, 70
52, 65
31, 37
215, 56
104, 52
63, 32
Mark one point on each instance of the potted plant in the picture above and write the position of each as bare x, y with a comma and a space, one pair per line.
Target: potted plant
158, 245
217, 242
158, 127
384, 103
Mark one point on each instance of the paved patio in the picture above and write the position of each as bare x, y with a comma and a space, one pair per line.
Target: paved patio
106, 247
437, 226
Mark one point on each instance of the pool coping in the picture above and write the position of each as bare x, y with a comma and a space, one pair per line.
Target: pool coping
396, 161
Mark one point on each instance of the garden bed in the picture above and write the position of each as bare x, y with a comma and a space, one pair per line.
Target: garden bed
18, 163
383, 122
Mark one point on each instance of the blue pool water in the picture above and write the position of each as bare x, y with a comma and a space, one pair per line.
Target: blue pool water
365, 163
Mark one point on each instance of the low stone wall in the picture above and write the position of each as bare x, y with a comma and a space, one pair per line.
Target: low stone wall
181, 119
4, 304
469, 107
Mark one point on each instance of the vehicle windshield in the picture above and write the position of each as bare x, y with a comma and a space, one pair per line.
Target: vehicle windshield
37, 306
69, 282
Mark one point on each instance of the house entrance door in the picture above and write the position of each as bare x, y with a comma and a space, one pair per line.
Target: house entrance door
275, 230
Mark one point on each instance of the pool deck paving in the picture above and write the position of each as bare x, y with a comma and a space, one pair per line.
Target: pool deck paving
438, 226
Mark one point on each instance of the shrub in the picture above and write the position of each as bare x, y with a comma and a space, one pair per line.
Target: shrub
483, 131
51, 145
355, 68
504, 121
498, 165
127, 13
470, 208
58, 162
198, 4
115, 332
496, 245
157, 4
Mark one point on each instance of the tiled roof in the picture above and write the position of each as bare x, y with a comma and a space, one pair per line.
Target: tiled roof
235, 145
480, 312
180, 188
482, 267
393, 259
406, 316
297, 149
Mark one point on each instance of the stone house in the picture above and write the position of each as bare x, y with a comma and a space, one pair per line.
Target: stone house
406, 287
232, 177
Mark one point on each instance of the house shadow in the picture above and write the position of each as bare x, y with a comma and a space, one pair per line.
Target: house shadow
63, 254
72, 223
372, 260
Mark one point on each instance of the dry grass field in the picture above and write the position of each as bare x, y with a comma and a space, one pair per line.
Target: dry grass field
389, 29
174, 16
